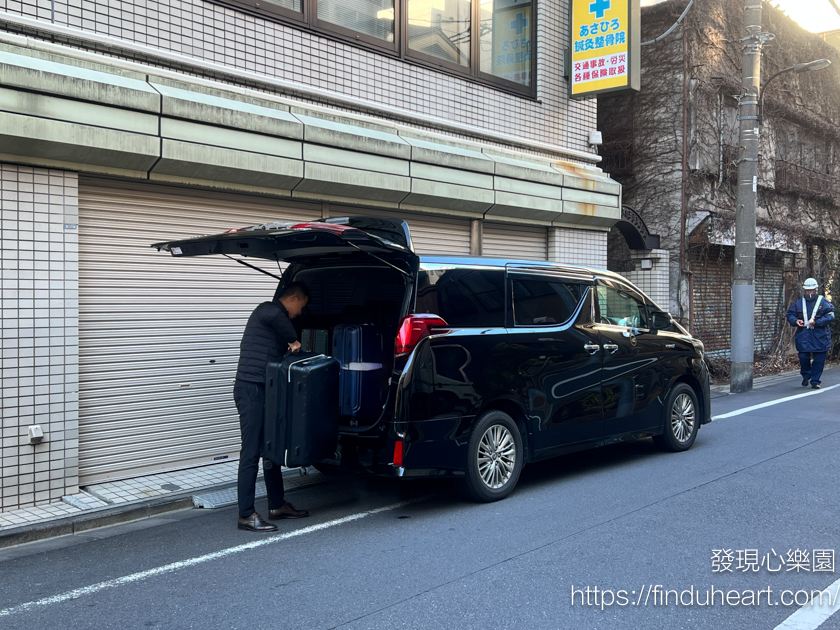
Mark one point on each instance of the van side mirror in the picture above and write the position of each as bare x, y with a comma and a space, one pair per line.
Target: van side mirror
660, 320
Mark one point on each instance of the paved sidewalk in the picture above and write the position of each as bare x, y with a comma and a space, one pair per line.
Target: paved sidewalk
772, 379
109, 503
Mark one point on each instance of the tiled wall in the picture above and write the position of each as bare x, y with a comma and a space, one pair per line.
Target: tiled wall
40, 318
578, 247
653, 281
226, 36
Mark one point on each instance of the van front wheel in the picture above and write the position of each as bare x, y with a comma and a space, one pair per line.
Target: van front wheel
681, 420
494, 458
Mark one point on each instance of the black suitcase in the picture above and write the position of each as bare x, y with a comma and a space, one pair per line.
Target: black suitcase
301, 409
359, 349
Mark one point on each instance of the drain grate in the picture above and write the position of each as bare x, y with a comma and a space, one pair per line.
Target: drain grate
222, 498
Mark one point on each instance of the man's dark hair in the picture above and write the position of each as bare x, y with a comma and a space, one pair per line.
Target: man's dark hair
295, 288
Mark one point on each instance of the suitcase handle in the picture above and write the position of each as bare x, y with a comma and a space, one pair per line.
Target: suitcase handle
300, 361
360, 366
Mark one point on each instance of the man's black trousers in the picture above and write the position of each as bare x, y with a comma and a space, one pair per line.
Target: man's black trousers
250, 402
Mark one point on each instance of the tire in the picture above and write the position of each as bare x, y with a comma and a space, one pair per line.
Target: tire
494, 458
681, 420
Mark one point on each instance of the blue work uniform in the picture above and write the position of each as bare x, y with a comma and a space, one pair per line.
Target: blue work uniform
814, 341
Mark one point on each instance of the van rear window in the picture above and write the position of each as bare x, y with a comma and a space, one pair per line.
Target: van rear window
464, 298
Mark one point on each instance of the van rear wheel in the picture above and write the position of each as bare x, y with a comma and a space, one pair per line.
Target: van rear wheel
494, 458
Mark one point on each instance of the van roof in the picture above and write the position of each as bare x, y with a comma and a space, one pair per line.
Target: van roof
481, 261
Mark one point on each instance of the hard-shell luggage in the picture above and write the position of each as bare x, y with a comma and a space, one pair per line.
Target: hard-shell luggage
301, 409
315, 340
359, 349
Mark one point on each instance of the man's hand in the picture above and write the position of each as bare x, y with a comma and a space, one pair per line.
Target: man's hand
294, 347
799, 322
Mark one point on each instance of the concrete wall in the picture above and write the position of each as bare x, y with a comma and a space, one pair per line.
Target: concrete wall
40, 318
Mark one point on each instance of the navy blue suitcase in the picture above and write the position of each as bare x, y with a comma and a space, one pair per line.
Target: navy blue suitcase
359, 350
301, 409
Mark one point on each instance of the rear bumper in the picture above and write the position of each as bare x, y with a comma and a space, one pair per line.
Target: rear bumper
417, 473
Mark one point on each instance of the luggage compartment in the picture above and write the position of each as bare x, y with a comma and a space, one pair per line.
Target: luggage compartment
315, 340
301, 409
359, 350
357, 308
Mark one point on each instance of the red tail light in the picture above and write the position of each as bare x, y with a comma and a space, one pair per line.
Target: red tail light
326, 227
398, 453
413, 329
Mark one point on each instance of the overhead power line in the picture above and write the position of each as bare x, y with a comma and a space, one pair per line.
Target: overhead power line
675, 24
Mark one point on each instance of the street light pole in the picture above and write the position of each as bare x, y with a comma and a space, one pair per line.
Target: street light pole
818, 64
743, 274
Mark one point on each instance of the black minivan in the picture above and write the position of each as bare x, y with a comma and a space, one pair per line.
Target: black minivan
495, 363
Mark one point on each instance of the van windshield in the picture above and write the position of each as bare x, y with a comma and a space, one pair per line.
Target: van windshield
464, 298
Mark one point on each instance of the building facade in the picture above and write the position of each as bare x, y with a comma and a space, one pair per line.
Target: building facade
674, 147
124, 124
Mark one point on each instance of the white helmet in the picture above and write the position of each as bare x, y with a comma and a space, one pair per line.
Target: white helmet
810, 283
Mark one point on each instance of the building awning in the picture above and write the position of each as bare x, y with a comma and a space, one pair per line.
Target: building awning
716, 229
61, 112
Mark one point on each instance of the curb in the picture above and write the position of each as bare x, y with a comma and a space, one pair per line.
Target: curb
770, 379
116, 515
84, 522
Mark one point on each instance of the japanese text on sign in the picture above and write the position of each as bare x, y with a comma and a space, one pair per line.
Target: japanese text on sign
599, 68
601, 36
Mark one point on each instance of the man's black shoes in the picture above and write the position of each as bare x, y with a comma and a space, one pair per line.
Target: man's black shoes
815, 385
287, 511
255, 523
804, 382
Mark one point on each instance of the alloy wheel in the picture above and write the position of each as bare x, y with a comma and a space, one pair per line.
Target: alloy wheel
682, 418
496, 456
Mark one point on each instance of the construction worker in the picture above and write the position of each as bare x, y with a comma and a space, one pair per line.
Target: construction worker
811, 316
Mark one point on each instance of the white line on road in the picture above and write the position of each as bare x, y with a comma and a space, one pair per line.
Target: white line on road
812, 615
175, 566
770, 403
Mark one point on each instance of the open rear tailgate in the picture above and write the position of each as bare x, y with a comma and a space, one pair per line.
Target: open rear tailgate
288, 241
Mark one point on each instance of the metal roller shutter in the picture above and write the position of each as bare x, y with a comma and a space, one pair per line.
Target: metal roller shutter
159, 338
770, 304
515, 241
430, 234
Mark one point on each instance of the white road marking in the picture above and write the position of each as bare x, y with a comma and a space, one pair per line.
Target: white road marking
770, 403
182, 564
812, 615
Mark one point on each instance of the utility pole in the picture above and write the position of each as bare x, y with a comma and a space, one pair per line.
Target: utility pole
743, 275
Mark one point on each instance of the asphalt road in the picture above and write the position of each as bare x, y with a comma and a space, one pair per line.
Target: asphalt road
623, 517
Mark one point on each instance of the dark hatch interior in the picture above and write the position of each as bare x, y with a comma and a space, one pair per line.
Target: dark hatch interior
371, 296
352, 295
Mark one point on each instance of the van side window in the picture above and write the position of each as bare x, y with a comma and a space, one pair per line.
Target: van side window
621, 308
464, 298
544, 301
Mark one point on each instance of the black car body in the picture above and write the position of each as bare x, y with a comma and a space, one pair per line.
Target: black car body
496, 363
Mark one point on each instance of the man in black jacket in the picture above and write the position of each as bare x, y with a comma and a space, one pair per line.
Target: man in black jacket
269, 334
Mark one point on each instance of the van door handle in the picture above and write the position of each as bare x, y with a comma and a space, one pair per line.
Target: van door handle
612, 347
592, 348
